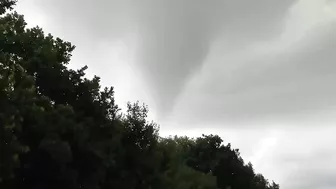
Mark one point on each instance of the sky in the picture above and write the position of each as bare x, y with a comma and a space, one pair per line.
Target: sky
260, 73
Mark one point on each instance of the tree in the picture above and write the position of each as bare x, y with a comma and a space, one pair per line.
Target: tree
59, 129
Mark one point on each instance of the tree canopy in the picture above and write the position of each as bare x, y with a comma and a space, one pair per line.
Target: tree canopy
59, 129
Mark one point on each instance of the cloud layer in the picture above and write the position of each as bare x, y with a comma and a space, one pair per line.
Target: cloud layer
273, 86
174, 37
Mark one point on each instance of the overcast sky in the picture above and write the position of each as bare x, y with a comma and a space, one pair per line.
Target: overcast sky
259, 73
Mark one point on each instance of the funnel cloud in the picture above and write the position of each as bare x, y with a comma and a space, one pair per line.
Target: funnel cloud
174, 37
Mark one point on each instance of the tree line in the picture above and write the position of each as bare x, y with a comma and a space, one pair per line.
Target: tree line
61, 130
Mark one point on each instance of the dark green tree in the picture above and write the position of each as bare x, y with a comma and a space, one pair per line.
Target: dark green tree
59, 129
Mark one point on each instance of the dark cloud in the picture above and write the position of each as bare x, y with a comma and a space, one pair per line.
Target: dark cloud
280, 87
178, 34
174, 36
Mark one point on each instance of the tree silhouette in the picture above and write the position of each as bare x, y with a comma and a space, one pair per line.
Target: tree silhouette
59, 129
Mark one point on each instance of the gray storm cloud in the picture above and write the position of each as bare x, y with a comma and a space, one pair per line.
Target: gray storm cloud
174, 36
178, 35
278, 87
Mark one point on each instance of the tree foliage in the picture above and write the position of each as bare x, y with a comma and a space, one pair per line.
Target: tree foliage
59, 129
